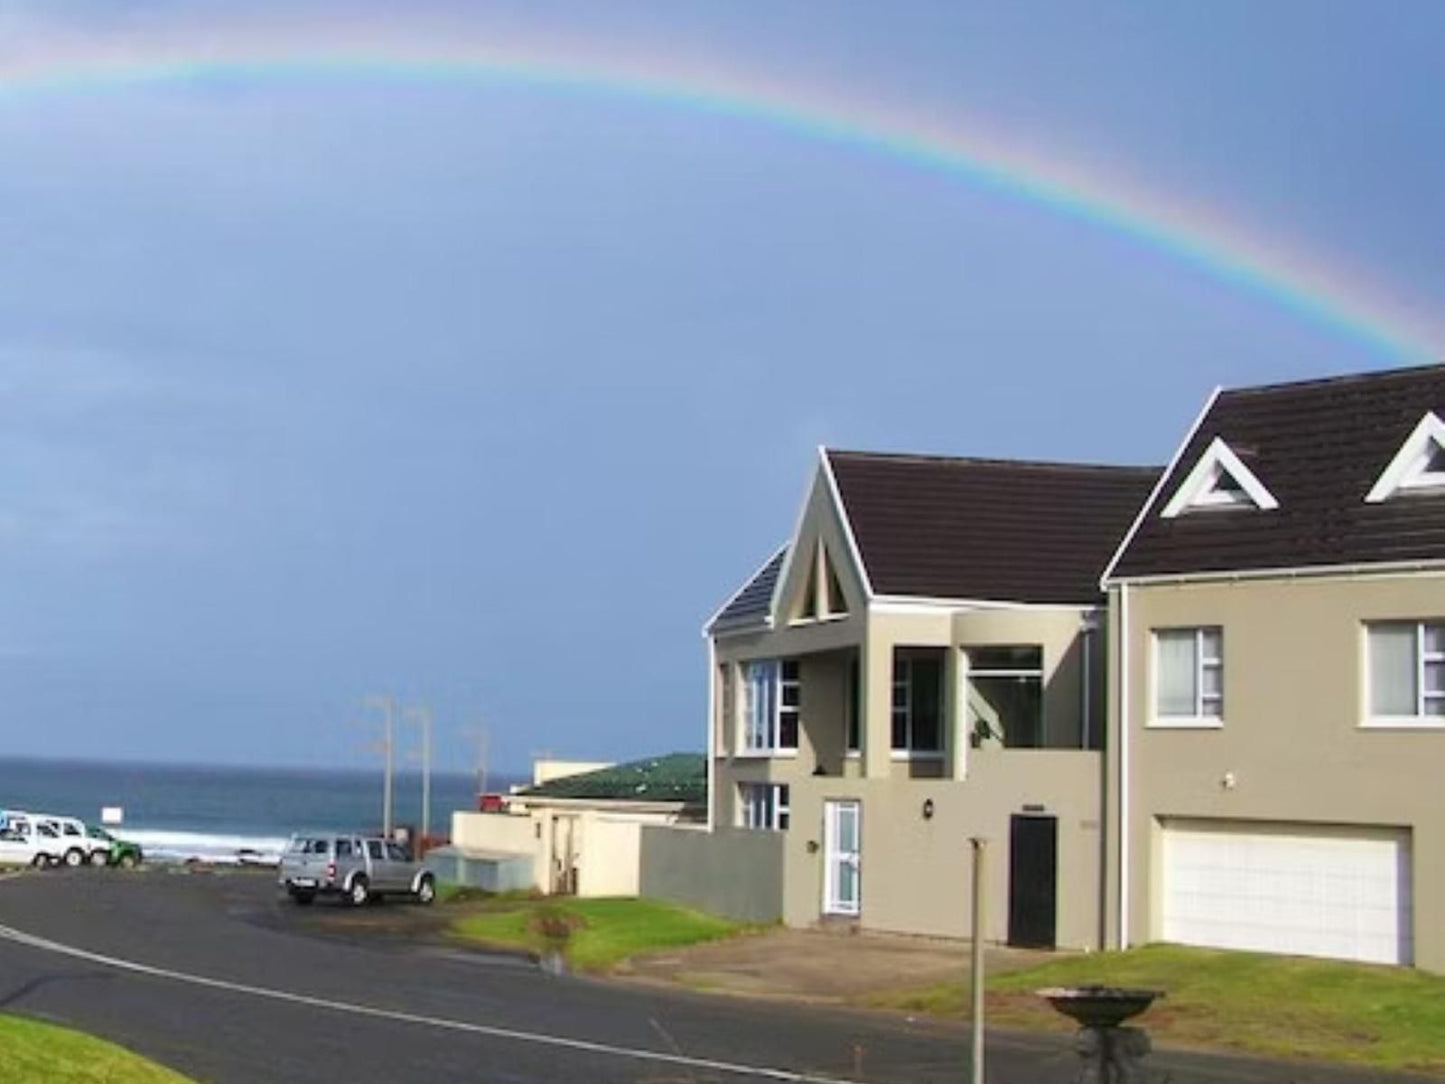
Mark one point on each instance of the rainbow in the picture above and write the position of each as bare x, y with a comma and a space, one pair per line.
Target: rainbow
1301, 283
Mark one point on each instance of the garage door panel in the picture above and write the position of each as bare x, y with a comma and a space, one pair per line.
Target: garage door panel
1297, 889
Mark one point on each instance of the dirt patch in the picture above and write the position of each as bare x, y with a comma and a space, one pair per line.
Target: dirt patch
818, 966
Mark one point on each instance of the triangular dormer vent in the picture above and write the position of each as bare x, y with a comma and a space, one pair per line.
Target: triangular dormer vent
1219, 480
1419, 464
822, 595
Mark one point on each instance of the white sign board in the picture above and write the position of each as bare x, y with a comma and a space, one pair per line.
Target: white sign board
112, 814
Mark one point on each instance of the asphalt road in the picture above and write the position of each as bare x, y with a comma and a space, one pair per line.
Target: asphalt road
215, 976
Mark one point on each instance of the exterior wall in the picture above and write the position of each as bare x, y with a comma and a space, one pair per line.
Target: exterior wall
492, 832
610, 857
545, 770
915, 871
1291, 742
728, 872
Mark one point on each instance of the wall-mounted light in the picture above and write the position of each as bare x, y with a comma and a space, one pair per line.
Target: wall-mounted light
928, 809
812, 846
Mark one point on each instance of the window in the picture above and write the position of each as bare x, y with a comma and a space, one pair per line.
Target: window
374, 850
1006, 695
764, 805
917, 700
397, 853
774, 698
822, 596
343, 848
1189, 674
1418, 465
1407, 671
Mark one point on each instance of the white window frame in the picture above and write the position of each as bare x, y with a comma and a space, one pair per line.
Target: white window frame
1199, 720
764, 806
904, 666
1410, 467
1200, 488
770, 743
1420, 720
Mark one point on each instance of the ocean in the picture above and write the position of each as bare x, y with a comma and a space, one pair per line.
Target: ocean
180, 812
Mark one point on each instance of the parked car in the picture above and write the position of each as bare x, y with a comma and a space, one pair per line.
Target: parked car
358, 868
26, 841
122, 852
80, 845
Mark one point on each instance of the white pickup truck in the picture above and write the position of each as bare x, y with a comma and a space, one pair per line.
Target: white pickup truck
30, 842
80, 846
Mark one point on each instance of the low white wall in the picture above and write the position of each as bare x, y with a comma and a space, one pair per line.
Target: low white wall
608, 864
493, 832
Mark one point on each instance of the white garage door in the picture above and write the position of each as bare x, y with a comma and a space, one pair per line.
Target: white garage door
1297, 889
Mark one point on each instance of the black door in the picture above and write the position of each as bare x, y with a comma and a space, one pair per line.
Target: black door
1033, 873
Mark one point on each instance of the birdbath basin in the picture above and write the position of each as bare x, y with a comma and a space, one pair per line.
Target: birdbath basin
1111, 1053
1099, 1006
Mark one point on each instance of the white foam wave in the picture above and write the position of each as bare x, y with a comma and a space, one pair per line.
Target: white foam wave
176, 846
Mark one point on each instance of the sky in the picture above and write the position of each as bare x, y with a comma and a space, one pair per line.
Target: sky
475, 353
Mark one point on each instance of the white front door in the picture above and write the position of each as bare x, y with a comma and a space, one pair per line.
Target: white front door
842, 877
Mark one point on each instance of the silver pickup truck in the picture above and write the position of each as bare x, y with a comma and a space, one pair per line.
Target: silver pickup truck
359, 868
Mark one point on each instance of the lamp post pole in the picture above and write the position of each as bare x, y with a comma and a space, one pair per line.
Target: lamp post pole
387, 704
979, 846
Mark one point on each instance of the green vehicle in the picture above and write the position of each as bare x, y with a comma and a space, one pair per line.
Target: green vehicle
123, 852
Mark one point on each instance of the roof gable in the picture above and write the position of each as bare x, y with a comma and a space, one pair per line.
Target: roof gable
752, 603
1322, 445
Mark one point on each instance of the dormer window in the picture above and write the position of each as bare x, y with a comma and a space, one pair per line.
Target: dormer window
1219, 480
822, 597
1418, 465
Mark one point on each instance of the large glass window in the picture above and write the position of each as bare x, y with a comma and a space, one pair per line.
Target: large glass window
774, 698
1407, 669
1006, 695
1189, 673
764, 805
918, 700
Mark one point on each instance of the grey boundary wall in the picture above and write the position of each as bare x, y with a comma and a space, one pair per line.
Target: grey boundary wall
730, 872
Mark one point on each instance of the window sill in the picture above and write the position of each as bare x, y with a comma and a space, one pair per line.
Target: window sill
766, 754
1183, 722
853, 754
1405, 722
826, 619
915, 754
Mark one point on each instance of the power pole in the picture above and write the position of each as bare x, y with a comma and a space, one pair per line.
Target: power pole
387, 704
479, 737
423, 715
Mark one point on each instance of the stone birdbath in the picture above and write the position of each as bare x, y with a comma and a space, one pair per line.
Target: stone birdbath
1111, 1052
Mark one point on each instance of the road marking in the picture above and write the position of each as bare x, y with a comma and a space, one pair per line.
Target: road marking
20, 937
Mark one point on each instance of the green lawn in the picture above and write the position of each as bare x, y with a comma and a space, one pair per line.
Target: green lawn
1281, 1006
593, 935
33, 1051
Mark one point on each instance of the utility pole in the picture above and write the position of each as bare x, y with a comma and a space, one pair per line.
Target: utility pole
387, 704
423, 715
479, 737
980, 849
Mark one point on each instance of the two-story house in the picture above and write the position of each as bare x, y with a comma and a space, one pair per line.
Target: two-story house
1277, 678
922, 662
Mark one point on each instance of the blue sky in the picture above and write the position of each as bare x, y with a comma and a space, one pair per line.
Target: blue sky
487, 395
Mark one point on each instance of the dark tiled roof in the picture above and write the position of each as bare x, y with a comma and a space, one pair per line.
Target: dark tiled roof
1318, 447
751, 604
676, 777
1000, 530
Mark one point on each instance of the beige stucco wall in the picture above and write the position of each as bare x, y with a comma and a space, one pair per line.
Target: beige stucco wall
727, 871
1294, 699
915, 871
608, 864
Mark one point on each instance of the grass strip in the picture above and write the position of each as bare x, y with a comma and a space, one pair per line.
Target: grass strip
30, 1050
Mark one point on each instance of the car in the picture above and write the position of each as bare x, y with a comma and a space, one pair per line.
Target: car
81, 846
122, 852
356, 868
26, 841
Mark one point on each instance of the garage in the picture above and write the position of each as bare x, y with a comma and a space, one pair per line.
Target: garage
1297, 889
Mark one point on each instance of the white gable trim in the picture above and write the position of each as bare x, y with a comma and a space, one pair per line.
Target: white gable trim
853, 551
1164, 476
1408, 469
1198, 486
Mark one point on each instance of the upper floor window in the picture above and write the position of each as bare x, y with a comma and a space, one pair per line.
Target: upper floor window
764, 805
774, 696
1006, 695
1407, 671
855, 708
1189, 675
917, 700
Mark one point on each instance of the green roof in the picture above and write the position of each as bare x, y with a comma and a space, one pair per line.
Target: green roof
676, 777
